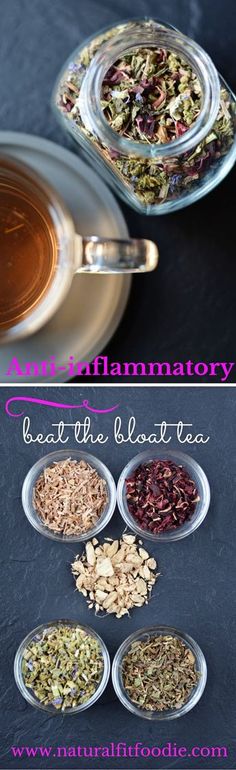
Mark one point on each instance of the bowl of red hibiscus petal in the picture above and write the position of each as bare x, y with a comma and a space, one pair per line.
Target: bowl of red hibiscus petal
69, 495
163, 495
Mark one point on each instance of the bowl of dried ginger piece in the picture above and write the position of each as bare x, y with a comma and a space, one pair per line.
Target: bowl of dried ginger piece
69, 495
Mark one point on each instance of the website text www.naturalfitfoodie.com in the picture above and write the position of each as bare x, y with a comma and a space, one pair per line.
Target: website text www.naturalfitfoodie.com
122, 749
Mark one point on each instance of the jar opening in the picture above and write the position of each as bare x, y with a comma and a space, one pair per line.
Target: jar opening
151, 95
94, 89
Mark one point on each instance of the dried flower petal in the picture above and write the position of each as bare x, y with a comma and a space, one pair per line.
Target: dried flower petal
161, 496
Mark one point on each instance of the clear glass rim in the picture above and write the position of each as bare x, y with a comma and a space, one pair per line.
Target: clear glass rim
180, 458
198, 690
102, 30
89, 99
47, 460
27, 692
60, 284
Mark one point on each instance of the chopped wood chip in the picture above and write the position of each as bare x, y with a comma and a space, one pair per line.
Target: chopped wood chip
70, 497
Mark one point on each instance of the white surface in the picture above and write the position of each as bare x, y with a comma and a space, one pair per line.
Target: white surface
95, 304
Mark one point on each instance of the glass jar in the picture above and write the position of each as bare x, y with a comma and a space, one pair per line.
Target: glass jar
154, 177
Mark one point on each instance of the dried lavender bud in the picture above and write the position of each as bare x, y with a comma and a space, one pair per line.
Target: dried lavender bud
63, 666
153, 96
161, 496
70, 497
159, 673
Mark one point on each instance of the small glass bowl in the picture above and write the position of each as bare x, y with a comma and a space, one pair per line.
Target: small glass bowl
196, 474
34, 473
28, 693
145, 633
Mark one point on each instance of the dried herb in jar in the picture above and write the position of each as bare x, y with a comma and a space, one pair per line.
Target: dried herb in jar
151, 95
161, 496
159, 673
115, 575
63, 666
70, 497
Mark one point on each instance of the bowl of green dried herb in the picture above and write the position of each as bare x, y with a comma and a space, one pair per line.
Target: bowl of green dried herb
62, 667
159, 673
69, 495
163, 495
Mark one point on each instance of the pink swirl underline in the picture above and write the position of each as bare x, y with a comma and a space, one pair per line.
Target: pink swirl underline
84, 405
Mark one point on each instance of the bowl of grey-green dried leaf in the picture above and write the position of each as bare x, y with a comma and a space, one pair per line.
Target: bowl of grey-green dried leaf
159, 673
62, 667
69, 495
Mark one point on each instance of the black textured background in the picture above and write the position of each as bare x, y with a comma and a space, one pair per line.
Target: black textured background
187, 309
196, 591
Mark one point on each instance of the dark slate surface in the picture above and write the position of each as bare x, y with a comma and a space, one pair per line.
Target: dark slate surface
196, 591
187, 310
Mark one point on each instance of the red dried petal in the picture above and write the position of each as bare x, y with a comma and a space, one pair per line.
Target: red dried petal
161, 495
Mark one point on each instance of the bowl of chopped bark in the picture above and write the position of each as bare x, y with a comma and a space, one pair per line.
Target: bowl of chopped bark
163, 495
69, 495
